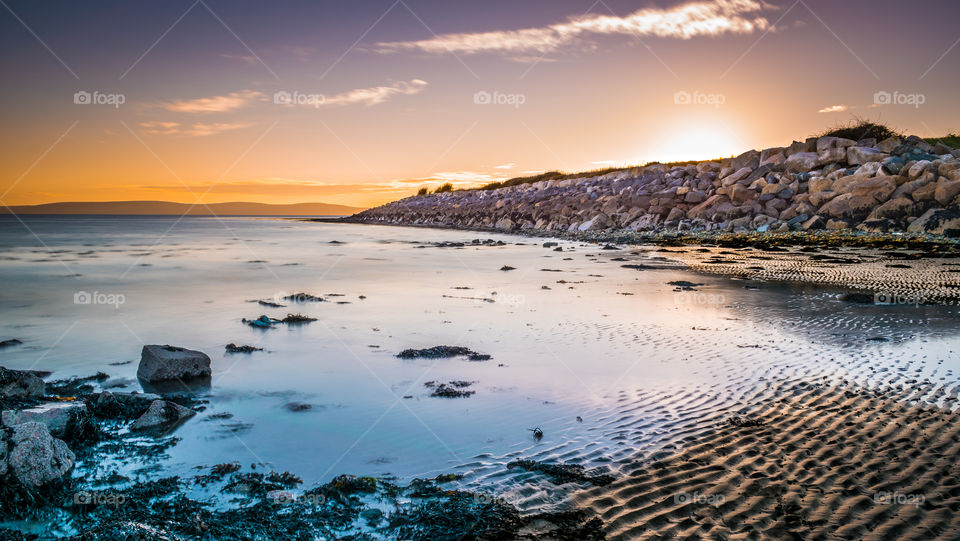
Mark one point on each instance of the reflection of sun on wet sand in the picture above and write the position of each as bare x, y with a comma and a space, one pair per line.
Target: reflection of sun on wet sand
820, 462
895, 277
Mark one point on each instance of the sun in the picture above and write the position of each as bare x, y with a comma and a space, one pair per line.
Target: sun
696, 139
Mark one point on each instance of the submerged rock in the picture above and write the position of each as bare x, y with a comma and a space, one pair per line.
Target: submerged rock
443, 352
37, 458
162, 414
233, 348
165, 363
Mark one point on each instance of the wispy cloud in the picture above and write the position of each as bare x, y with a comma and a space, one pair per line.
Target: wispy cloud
197, 129
376, 95
505, 166
699, 18
215, 104
834, 109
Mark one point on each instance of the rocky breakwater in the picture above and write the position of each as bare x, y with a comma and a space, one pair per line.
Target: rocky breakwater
898, 184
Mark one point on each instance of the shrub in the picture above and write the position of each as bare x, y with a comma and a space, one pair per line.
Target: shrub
422, 191
858, 128
445, 188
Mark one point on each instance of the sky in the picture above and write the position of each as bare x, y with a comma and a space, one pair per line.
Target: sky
360, 103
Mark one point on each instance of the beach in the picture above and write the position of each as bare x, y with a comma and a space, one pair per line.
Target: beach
621, 380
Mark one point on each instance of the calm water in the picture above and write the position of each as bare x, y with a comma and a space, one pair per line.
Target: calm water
636, 360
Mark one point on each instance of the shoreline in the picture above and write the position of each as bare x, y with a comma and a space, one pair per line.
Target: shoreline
927, 267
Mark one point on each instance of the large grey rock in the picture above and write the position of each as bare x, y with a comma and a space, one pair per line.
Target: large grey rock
162, 414
938, 222
802, 162
880, 188
165, 363
894, 209
58, 417
829, 143
20, 384
862, 155
947, 191
36, 457
849, 207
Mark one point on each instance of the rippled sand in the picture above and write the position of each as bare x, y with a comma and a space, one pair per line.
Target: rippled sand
896, 278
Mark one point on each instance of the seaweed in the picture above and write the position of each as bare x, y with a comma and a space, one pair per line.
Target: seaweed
563, 473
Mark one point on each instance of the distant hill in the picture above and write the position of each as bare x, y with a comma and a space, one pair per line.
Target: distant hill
179, 209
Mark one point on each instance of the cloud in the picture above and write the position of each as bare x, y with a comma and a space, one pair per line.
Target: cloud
161, 128
505, 166
377, 94
215, 104
834, 109
693, 19
197, 129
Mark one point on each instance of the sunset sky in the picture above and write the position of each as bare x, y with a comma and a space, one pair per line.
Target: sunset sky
392, 95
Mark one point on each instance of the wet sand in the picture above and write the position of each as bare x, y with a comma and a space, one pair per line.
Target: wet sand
893, 277
817, 462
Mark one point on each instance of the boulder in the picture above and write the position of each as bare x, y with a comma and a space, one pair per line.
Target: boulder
122, 405
862, 155
938, 222
736, 176
894, 209
819, 198
831, 155
820, 184
802, 161
829, 143
814, 223
37, 458
20, 384
162, 414
58, 417
849, 207
880, 188
837, 224
504, 223
946, 191
889, 144
740, 195
165, 363
924, 191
